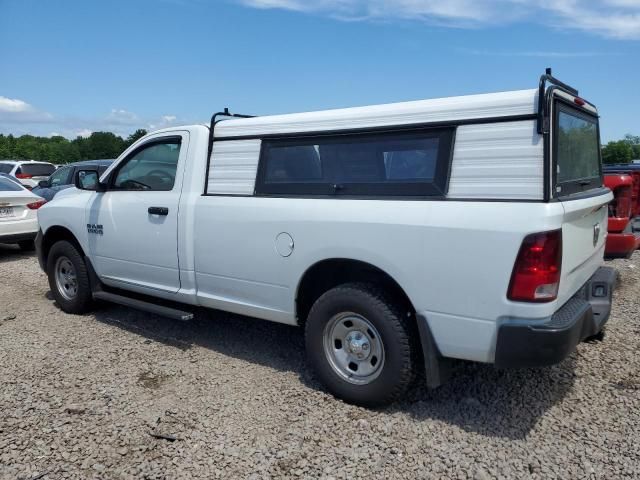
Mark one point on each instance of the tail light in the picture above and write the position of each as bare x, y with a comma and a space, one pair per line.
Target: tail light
622, 202
23, 175
36, 205
536, 273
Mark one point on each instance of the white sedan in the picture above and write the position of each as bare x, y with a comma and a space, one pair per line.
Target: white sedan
18, 214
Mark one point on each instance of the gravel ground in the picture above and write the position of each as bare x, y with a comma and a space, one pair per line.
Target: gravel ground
123, 394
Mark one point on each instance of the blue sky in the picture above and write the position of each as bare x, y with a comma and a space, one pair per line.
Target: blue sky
74, 66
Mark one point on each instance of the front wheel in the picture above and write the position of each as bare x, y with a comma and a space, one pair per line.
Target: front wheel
68, 278
361, 344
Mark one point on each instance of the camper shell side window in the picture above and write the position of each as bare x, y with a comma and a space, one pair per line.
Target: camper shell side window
411, 163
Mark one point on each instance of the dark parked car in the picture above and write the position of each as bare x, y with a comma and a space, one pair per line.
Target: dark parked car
63, 178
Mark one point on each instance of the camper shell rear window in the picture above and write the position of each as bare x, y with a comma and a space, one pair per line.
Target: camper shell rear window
576, 151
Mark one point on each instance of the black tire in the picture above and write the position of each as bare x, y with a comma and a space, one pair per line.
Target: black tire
27, 245
82, 302
396, 332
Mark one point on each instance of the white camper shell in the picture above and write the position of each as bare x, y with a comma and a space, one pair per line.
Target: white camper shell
399, 236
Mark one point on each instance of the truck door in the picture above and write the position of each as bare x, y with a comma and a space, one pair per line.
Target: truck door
133, 225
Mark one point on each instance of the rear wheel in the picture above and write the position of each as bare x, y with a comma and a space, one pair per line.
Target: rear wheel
68, 278
361, 344
27, 245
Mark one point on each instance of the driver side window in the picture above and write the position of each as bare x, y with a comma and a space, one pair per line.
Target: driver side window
153, 168
60, 177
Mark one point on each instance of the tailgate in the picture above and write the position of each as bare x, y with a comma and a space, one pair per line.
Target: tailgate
584, 232
578, 185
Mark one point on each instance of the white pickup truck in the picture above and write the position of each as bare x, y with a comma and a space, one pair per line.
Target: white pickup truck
398, 236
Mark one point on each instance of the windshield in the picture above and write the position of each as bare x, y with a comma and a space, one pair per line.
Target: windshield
577, 151
7, 185
37, 169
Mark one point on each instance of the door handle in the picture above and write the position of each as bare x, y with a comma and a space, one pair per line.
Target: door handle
158, 211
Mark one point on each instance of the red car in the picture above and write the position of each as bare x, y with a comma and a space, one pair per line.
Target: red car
621, 240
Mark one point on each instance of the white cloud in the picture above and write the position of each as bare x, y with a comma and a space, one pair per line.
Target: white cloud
609, 18
85, 132
19, 117
464, 12
15, 110
163, 122
14, 105
122, 117
533, 53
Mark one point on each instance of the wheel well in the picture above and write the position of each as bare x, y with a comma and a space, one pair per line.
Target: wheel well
55, 234
327, 274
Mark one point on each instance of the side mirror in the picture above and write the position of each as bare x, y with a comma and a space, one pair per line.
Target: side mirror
44, 184
88, 180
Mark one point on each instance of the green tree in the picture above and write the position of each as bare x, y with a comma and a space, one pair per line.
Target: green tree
103, 145
60, 150
6, 146
135, 136
634, 141
27, 147
617, 152
54, 150
82, 146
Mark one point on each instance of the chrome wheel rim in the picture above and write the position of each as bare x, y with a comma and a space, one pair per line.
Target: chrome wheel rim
66, 279
353, 347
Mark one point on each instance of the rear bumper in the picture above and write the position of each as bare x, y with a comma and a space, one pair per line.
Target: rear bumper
19, 230
17, 237
531, 343
18, 226
621, 245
